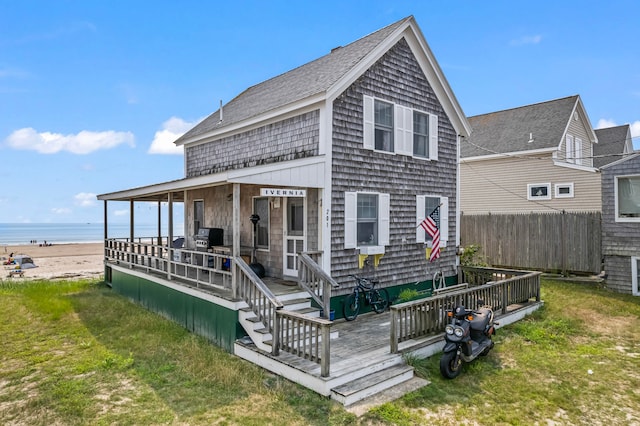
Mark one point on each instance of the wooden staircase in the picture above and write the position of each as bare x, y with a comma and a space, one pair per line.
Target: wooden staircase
358, 370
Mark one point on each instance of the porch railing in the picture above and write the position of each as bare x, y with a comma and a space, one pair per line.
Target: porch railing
262, 302
305, 337
315, 281
425, 317
195, 267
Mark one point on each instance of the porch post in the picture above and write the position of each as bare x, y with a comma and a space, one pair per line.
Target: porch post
236, 238
131, 233
106, 226
159, 223
170, 248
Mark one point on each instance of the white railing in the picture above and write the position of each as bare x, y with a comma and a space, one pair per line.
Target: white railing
195, 267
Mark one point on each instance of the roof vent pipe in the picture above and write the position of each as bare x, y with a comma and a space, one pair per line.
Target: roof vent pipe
221, 110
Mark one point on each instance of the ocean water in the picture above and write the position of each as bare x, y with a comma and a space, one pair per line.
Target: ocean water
61, 233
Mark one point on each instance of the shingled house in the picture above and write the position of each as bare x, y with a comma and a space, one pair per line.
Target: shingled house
621, 224
300, 181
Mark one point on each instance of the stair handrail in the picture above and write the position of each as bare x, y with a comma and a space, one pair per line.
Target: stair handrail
262, 302
315, 281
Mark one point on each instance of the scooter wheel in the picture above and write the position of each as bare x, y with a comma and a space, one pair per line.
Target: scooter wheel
450, 365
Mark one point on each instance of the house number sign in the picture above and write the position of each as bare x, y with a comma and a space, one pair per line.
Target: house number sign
282, 192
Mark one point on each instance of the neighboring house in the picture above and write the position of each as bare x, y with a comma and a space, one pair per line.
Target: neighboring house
342, 158
537, 158
614, 143
621, 224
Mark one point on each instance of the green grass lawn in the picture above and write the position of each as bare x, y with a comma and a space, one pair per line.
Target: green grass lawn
77, 353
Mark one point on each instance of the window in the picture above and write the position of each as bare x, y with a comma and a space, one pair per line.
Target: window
420, 134
564, 190
261, 208
383, 126
577, 151
198, 215
366, 219
539, 191
635, 275
425, 205
627, 193
399, 129
569, 149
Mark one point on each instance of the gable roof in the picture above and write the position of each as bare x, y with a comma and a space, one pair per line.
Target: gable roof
611, 145
527, 128
311, 82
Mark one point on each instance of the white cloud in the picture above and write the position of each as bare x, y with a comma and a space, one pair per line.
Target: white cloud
535, 39
172, 129
85, 199
61, 210
635, 129
121, 212
603, 123
84, 142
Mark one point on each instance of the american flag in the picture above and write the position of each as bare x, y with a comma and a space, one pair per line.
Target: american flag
430, 227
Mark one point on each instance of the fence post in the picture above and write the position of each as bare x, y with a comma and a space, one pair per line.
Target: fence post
275, 342
505, 296
326, 352
393, 344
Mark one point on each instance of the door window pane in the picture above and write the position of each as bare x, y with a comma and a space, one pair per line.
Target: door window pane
295, 217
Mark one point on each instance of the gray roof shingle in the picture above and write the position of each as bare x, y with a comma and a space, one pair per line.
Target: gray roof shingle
509, 130
610, 146
307, 80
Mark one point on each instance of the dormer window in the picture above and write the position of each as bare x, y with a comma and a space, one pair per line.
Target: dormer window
573, 150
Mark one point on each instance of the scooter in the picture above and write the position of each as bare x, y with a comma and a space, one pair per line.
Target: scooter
467, 336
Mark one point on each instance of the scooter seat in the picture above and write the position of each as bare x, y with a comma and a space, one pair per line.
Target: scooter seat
480, 320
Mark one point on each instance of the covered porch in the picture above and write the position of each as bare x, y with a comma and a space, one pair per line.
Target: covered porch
277, 324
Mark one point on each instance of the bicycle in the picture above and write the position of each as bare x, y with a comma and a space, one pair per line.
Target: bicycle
378, 299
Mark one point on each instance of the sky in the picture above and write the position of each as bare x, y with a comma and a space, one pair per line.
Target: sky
93, 93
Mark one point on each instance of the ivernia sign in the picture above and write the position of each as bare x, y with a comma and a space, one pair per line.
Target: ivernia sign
282, 192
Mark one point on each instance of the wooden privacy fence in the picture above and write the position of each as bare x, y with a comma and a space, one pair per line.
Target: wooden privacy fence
552, 242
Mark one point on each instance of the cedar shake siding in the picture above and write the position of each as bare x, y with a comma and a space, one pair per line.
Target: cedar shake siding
620, 240
290, 139
396, 78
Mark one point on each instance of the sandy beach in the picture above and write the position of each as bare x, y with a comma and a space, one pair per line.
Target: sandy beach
58, 261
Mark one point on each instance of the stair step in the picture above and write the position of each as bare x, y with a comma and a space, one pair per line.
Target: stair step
296, 304
371, 384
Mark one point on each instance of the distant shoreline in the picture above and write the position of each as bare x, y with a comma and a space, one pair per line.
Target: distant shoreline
57, 261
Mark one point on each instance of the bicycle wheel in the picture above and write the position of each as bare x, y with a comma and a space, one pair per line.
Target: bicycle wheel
351, 307
379, 300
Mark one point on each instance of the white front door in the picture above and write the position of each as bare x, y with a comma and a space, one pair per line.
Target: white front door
294, 233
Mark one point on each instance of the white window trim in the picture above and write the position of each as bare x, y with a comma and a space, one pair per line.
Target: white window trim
615, 201
634, 275
402, 129
531, 185
560, 185
351, 220
421, 234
